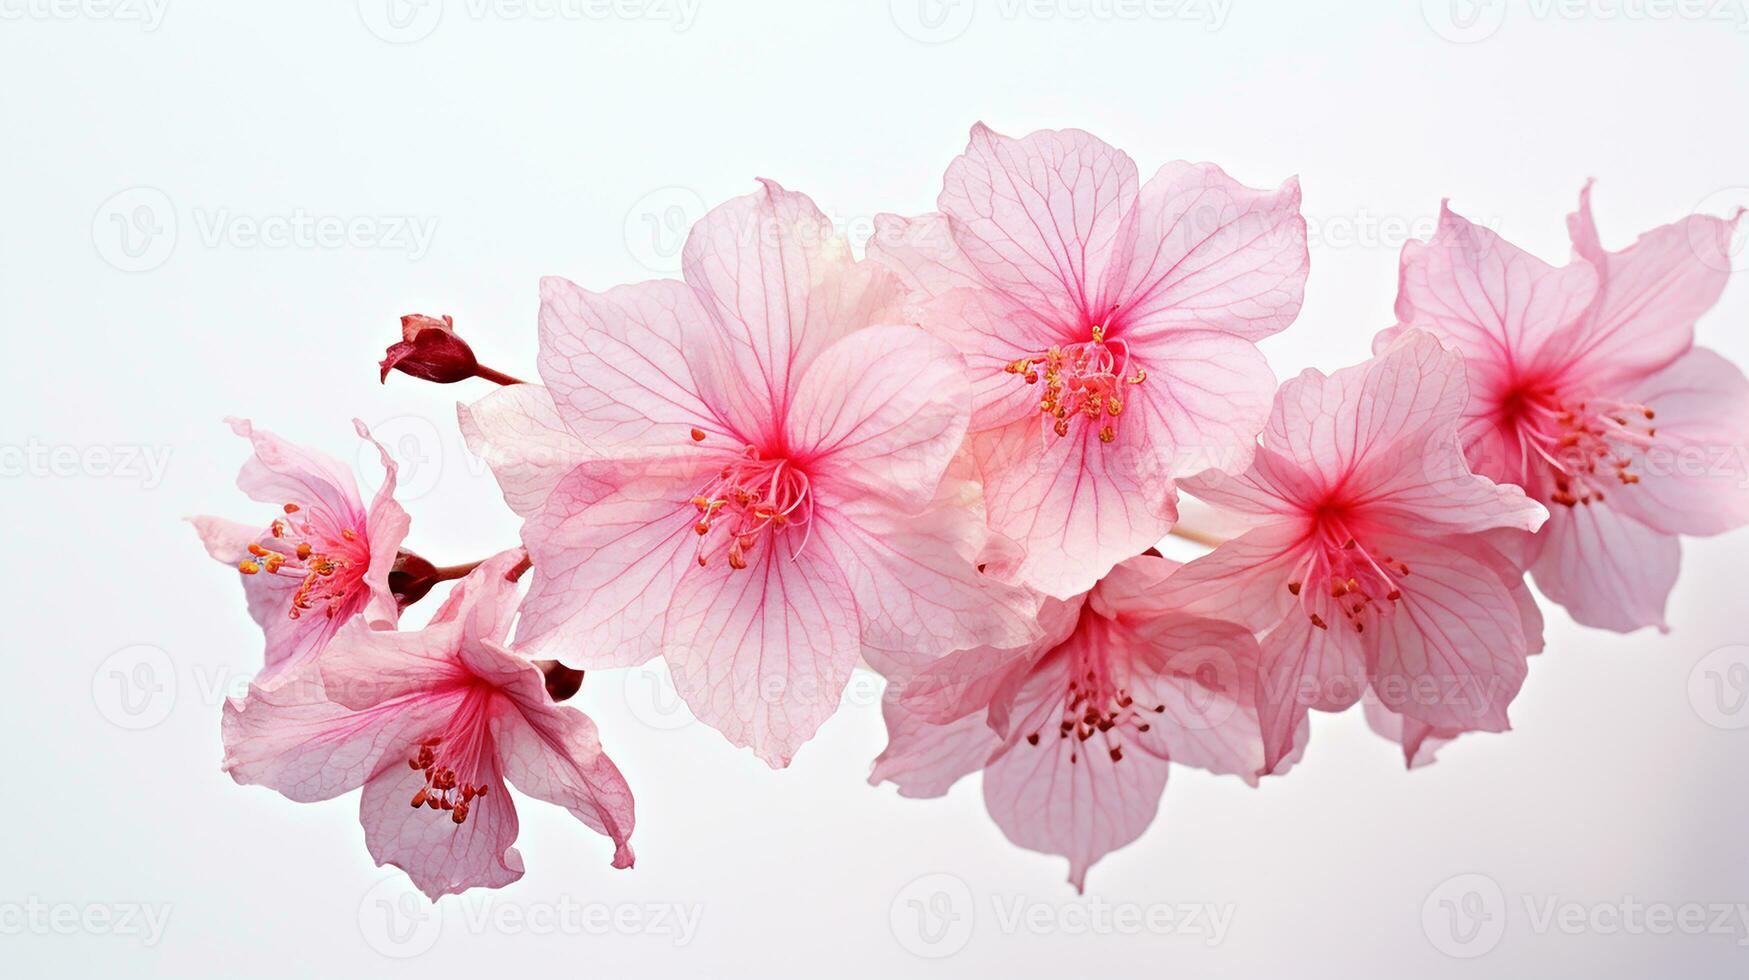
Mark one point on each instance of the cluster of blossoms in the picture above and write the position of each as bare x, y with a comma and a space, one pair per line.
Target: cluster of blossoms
950, 461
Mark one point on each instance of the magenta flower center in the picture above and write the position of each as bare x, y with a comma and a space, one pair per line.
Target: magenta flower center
750, 499
1361, 583
1088, 381
332, 566
1097, 702
1588, 444
453, 759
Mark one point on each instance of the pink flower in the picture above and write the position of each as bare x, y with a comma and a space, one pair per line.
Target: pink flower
321, 560
1374, 557
1590, 393
744, 472
1110, 332
1074, 731
432, 723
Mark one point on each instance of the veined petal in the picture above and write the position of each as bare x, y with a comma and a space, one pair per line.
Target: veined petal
1608, 570
1304, 666
1077, 505
922, 253
1452, 651
1206, 397
1694, 479
1498, 304
1069, 796
1209, 253
780, 284
1650, 293
609, 548
518, 431
553, 753
440, 856
1040, 217
881, 413
924, 759
618, 365
762, 653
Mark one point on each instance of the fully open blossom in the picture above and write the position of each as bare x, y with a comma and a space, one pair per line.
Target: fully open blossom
1590, 393
1074, 732
322, 558
1110, 332
1376, 557
432, 724
744, 473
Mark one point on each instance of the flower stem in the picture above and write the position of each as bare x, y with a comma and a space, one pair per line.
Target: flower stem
1205, 538
496, 377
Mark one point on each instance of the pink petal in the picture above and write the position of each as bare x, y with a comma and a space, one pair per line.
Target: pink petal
1076, 505
609, 549
1499, 305
384, 529
280, 473
619, 366
1081, 809
1609, 570
1211, 254
291, 738
1451, 652
363, 668
925, 759
1650, 294
880, 414
966, 681
1419, 740
442, 857
762, 653
290, 643
922, 253
916, 578
991, 332
553, 754
1693, 479
1040, 218
1305, 667
1244, 580
780, 286
1203, 672
1206, 397
520, 434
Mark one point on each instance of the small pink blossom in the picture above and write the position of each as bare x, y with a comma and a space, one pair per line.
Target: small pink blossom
1074, 732
1110, 331
1590, 393
1376, 558
432, 724
746, 473
322, 559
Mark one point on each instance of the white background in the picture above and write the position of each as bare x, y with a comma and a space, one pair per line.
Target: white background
534, 143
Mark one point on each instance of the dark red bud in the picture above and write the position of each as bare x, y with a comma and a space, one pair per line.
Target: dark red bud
563, 682
411, 577
431, 351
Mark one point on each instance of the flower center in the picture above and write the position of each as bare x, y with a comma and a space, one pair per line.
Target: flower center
1588, 444
1360, 583
331, 566
451, 760
1097, 702
748, 500
1086, 381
